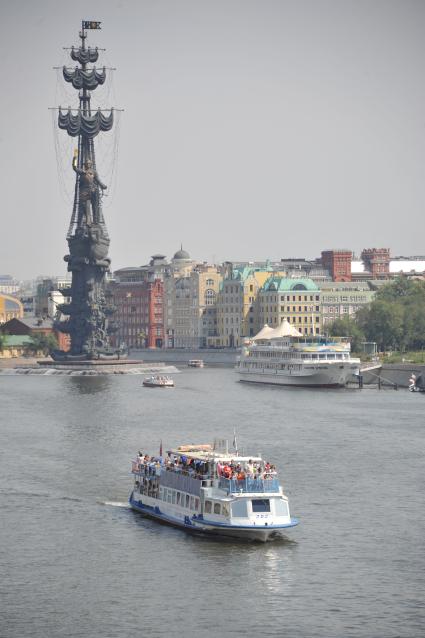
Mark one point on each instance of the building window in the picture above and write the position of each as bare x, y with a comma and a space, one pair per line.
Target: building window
210, 297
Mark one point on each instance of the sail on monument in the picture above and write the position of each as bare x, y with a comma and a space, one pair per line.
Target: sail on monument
88, 315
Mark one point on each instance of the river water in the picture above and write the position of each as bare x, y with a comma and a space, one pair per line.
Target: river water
76, 562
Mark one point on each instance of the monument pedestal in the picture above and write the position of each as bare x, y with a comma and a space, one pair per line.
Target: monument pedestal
103, 366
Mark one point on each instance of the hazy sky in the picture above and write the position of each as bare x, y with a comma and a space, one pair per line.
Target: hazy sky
252, 129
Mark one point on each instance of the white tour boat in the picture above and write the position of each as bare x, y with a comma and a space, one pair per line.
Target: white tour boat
206, 489
158, 381
282, 356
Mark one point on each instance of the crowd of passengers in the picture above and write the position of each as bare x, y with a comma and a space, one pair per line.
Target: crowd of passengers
151, 466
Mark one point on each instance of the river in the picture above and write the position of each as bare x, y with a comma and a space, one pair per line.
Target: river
75, 561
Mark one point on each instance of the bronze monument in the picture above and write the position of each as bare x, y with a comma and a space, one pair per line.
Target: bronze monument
88, 240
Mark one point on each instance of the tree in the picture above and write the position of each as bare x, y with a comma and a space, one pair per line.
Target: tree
383, 322
414, 325
45, 343
347, 327
3, 338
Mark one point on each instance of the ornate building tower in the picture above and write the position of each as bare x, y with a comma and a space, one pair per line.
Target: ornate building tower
377, 262
338, 263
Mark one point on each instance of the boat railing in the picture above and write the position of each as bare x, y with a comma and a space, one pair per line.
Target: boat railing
249, 485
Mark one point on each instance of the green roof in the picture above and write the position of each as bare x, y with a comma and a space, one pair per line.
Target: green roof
247, 271
285, 284
13, 341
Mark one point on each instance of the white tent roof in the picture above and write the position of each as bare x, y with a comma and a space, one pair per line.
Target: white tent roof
284, 330
264, 333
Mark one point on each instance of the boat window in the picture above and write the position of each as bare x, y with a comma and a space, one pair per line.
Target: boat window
225, 509
260, 505
173, 497
281, 507
192, 502
161, 493
187, 500
197, 503
239, 509
208, 507
217, 508
169, 497
178, 498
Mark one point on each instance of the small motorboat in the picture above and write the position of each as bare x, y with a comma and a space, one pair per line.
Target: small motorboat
195, 363
158, 381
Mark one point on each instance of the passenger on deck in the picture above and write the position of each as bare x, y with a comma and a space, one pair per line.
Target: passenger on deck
227, 471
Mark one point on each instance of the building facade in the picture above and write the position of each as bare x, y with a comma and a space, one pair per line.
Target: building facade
138, 298
194, 307
344, 299
296, 300
377, 262
338, 264
8, 285
237, 304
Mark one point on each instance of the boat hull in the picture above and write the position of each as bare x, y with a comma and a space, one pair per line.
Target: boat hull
323, 376
197, 524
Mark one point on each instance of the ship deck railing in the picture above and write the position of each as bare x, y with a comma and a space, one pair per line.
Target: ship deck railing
233, 486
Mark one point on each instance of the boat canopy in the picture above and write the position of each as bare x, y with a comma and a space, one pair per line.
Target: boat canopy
285, 330
207, 453
264, 333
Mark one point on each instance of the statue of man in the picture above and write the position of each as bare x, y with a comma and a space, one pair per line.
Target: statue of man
89, 190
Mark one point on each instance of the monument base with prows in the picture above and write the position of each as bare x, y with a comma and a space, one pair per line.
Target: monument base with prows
104, 366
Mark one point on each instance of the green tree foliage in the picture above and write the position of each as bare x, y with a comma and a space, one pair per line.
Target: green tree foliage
382, 322
2, 340
347, 327
396, 317
43, 342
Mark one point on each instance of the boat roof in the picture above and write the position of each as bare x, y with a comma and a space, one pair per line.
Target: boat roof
206, 452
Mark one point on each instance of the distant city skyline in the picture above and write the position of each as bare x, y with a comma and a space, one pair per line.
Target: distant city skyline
251, 130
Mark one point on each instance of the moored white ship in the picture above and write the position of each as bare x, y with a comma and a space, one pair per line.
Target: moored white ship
282, 356
204, 488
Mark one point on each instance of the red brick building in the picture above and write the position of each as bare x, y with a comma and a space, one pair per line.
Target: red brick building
377, 262
139, 301
338, 263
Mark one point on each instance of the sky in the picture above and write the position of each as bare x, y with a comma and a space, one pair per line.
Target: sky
251, 130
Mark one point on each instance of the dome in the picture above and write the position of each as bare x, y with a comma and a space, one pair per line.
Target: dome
181, 254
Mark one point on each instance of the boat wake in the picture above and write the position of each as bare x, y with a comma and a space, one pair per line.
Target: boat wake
115, 504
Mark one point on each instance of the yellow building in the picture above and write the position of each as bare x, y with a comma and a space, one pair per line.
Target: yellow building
296, 300
237, 307
10, 308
